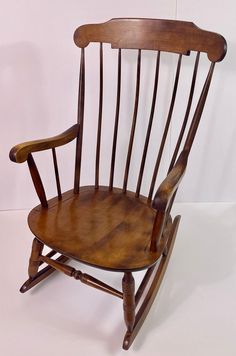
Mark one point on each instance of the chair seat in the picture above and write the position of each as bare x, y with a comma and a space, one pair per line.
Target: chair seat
102, 228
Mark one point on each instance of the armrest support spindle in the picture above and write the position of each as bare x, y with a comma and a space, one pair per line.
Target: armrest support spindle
164, 195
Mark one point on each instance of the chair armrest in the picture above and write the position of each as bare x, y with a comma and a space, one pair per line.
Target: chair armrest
170, 184
20, 152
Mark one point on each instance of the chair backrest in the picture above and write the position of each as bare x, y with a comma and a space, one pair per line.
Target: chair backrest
178, 37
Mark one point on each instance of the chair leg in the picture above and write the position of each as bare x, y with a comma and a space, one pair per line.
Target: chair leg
128, 287
36, 276
154, 287
34, 262
41, 275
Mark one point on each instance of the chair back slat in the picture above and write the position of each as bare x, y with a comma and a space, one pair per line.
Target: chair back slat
185, 121
163, 140
116, 121
80, 118
99, 118
131, 140
141, 170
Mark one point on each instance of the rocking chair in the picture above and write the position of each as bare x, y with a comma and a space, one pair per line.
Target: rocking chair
110, 226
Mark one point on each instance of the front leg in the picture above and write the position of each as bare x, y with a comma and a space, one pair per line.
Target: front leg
34, 262
128, 287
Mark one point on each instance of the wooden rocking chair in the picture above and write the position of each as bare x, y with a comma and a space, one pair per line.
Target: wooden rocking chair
109, 227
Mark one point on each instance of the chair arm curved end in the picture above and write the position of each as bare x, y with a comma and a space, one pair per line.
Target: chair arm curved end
20, 152
170, 184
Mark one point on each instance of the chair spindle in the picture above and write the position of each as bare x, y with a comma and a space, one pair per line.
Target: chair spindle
140, 177
185, 121
80, 121
99, 119
56, 173
37, 181
116, 121
131, 140
166, 129
198, 112
196, 119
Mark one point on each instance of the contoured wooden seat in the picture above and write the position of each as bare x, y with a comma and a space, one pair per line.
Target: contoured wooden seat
111, 226
102, 228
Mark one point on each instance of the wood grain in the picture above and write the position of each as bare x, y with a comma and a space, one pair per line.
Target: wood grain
128, 287
153, 34
37, 181
167, 125
153, 289
103, 228
171, 183
20, 152
34, 262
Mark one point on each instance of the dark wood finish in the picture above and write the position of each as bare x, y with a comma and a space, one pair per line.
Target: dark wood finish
80, 119
170, 184
98, 222
95, 283
37, 181
49, 254
99, 130
56, 173
83, 277
143, 284
161, 229
141, 171
68, 270
185, 121
40, 276
128, 287
116, 121
34, 262
131, 141
198, 112
172, 103
20, 153
161, 35
158, 226
110, 227
152, 291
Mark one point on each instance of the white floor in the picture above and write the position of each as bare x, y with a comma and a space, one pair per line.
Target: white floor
194, 312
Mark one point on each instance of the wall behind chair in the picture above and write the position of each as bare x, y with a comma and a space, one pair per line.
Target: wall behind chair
39, 81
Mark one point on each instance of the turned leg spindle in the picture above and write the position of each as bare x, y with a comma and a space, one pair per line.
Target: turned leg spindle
34, 262
128, 287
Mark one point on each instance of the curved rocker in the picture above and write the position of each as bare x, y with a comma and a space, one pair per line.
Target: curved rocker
157, 274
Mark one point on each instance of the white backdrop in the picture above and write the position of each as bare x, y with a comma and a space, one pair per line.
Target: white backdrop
39, 79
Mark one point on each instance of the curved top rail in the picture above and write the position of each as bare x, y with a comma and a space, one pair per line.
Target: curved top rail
153, 34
